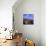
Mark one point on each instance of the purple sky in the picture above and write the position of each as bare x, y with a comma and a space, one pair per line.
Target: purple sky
28, 16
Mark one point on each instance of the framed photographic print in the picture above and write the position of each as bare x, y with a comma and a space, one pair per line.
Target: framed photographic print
28, 19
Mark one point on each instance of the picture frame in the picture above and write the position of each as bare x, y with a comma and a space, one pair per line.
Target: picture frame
28, 19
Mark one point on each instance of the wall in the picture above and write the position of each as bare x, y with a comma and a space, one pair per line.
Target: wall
29, 31
43, 22
6, 13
